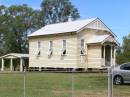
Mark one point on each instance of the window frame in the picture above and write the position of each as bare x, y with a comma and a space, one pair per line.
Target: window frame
39, 44
103, 50
82, 43
50, 45
38, 54
50, 50
64, 44
82, 47
64, 47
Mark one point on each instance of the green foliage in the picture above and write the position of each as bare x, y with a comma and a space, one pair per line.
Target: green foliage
120, 58
16, 22
123, 55
58, 11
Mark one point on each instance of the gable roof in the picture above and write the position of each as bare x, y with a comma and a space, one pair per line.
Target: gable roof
74, 26
102, 39
97, 39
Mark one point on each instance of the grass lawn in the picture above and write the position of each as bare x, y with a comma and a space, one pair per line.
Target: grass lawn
59, 85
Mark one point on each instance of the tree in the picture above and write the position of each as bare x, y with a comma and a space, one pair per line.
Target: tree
17, 21
123, 55
58, 11
3, 28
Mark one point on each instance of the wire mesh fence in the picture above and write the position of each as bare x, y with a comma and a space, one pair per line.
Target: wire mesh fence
61, 84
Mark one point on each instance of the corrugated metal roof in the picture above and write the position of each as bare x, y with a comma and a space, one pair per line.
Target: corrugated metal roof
102, 39
62, 27
97, 38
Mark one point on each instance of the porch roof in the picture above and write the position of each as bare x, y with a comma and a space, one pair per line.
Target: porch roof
15, 55
102, 39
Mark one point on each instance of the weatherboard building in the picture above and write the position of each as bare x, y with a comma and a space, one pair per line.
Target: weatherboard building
81, 44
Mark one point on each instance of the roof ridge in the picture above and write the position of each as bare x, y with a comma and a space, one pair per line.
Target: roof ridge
72, 21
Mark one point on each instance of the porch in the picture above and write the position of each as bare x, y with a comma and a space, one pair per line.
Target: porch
108, 55
101, 51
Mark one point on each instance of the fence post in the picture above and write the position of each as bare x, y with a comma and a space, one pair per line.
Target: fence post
110, 82
73, 70
24, 82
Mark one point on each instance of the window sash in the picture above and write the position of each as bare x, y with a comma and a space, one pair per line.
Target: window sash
39, 44
82, 51
82, 43
103, 47
63, 51
50, 45
82, 48
64, 44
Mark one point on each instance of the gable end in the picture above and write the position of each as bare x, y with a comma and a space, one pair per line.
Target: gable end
98, 24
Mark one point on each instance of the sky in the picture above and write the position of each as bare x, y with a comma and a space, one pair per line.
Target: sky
114, 13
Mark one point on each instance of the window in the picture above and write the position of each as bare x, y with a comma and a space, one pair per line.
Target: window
38, 51
50, 45
82, 43
103, 51
39, 44
50, 48
63, 52
64, 44
125, 66
82, 50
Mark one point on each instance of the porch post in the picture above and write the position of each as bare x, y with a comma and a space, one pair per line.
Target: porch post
2, 67
11, 64
86, 57
104, 56
21, 64
114, 55
111, 57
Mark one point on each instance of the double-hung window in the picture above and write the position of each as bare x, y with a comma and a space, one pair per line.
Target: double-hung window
82, 47
50, 48
38, 46
103, 48
63, 51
